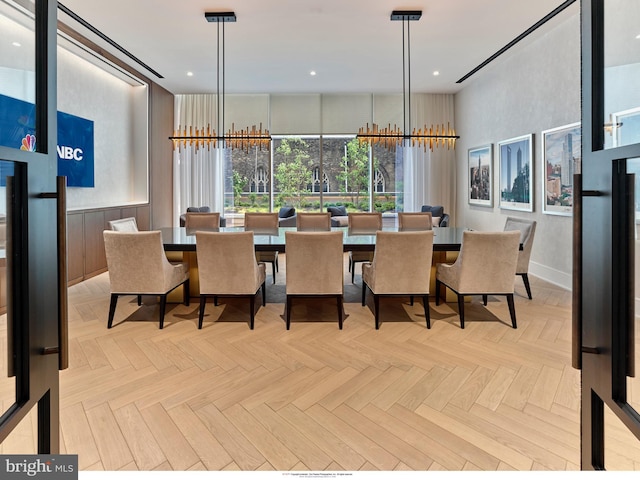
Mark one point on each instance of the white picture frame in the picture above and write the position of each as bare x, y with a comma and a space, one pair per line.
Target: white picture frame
516, 173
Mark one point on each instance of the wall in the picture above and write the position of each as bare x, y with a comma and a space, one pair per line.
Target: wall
530, 89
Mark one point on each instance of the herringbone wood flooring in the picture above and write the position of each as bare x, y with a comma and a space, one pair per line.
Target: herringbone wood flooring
316, 398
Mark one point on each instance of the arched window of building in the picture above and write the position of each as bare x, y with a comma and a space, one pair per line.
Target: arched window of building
316, 181
260, 183
378, 182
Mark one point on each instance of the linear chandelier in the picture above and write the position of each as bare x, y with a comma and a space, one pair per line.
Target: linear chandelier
426, 137
243, 139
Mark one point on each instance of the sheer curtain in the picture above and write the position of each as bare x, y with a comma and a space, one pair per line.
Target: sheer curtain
430, 177
198, 171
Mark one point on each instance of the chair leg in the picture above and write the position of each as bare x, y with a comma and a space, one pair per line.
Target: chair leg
273, 270
277, 266
186, 294
512, 310
252, 307
525, 279
364, 293
438, 286
163, 306
264, 293
353, 273
411, 300
340, 311
484, 299
461, 309
215, 300
203, 302
425, 301
112, 309
288, 311
139, 300
376, 307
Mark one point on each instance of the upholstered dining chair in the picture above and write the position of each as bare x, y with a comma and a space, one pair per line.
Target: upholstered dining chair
138, 266
363, 223
195, 220
401, 266
265, 224
314, 268
313, 221
411, 221
227, 267
486, 265
527, 230
128, 224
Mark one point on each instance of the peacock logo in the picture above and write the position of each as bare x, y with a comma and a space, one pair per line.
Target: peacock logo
29, 143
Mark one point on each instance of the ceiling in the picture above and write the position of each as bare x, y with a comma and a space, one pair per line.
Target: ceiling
352, 45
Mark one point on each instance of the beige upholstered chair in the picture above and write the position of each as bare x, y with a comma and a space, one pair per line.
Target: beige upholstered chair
138, 266
527, 230
364, 223
124, 225
227, 268
401, 266
485, 266
411, 221
313, 221
314, 268
208, 220
264, 224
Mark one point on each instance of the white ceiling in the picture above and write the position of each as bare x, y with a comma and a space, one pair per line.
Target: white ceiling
351, 44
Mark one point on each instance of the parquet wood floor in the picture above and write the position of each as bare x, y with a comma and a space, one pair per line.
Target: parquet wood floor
317, 398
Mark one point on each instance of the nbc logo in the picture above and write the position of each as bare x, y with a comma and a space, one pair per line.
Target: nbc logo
29, 143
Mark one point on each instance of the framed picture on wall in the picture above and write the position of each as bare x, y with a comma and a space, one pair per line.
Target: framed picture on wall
561, 158
481, 176
516, 173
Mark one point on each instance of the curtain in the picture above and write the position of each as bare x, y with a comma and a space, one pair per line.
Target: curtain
430, 177
198, 171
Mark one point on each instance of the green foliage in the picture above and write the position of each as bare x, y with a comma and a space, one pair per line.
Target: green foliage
239, 182
355, 170
293, 175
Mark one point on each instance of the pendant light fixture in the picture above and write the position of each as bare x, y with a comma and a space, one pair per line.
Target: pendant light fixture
391, 138
243, 139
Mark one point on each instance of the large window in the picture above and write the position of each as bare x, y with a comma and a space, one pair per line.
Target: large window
311, 173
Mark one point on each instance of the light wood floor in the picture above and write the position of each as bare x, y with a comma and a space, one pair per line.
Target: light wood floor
316, 398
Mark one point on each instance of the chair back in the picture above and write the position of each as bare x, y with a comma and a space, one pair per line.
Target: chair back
137, 262
315, 263
266, 223
412, 221
365, 222
202, 220
313, 221
402, 262
128, 224
487, 262
227, 263
527, 229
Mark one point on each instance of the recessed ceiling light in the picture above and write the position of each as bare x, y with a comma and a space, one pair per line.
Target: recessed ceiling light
436, 73
16, 44
312, 73
189, 74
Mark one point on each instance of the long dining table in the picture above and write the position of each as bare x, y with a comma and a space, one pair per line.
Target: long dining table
181, 239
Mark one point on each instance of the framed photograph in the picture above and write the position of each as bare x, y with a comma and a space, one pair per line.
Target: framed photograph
561, 158
516, 173
481, 176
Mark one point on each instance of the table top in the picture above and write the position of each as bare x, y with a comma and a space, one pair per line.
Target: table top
180, 239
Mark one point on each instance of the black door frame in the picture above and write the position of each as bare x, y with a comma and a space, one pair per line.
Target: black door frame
34, 280
607, 255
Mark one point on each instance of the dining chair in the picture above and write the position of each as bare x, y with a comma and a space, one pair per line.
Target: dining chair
313, 221
486, 265
264, 224
412, 221
202, 220
128, 224
527, 229
314, 268
227, 267
362, 223
138, 265
401, 266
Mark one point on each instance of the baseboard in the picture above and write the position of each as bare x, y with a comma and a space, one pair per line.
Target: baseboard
551, 275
